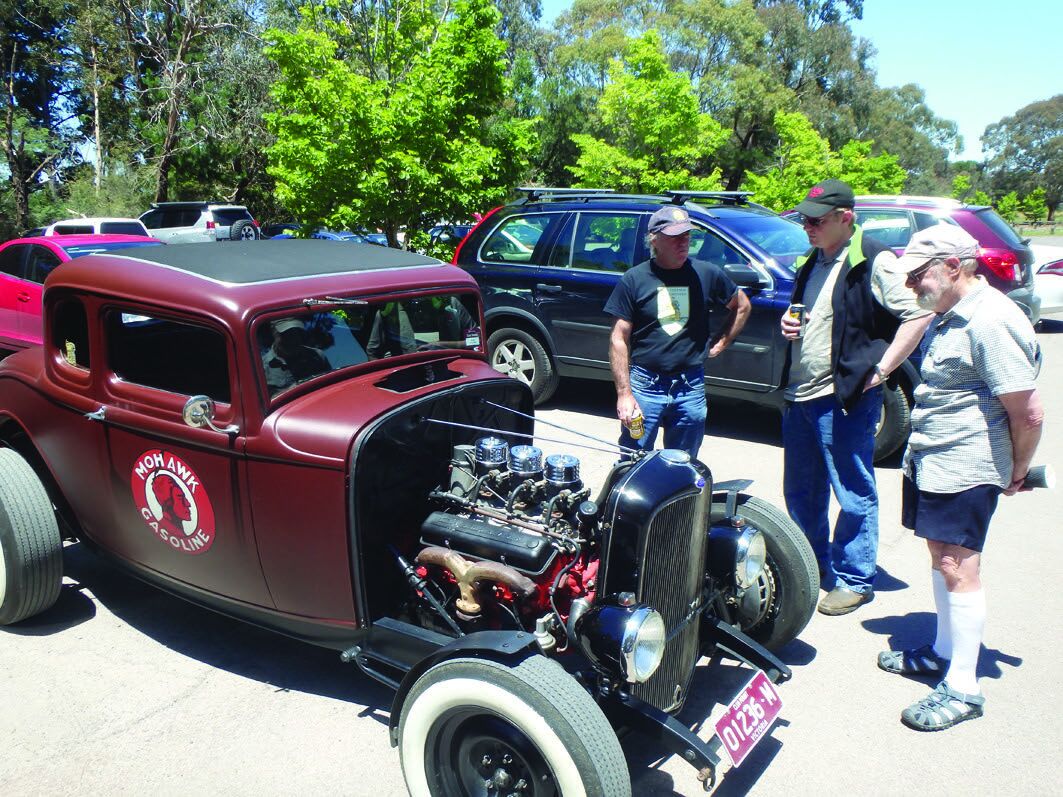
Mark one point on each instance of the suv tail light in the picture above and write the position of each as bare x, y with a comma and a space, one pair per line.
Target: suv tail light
461, 243
257, 225
1001, 262
210, 225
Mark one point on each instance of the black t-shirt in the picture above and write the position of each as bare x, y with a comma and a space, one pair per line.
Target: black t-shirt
669, 312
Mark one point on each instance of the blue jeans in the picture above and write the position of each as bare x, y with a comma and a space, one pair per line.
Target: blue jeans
674, 402
827, 448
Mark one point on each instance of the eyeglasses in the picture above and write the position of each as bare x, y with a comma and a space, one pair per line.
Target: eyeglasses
811, 221
919, 273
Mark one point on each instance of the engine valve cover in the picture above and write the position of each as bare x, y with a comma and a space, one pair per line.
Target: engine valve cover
523, 550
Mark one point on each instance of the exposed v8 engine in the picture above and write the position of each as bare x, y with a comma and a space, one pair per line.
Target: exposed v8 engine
514, 538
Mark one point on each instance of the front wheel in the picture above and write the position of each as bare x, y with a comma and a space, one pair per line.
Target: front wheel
520, 355
483, 727
778, 607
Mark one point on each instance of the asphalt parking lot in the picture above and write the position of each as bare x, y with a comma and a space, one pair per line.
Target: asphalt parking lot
120, 689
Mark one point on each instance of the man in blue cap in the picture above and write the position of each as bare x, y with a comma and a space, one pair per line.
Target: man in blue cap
658, 344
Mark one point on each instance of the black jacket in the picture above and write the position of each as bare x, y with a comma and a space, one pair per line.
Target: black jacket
863, 328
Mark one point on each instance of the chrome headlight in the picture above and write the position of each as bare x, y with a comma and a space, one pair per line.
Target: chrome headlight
643, 644
751, 553
623, 639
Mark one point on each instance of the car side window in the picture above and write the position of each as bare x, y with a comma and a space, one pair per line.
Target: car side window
888, 227
11, 260
711, 248
515, 239
174, 356
42, 261
600, 241
189, 217
70, 332
153, 219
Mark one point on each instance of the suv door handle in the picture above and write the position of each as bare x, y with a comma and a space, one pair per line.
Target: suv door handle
22, 296
542, 286
98, 415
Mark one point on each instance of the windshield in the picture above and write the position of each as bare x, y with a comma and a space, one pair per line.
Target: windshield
782, 239
300, 346
77, 250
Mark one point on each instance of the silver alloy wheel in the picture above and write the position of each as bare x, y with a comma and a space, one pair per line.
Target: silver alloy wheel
514, 359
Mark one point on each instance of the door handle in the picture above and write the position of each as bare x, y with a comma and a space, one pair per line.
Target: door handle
22, 296
542, 286
98, 415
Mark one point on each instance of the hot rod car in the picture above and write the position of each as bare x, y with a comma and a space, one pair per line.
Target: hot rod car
308, 436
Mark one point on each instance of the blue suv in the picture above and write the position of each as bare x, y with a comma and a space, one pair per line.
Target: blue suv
547, 263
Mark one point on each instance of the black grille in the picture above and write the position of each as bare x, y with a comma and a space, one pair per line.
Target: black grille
671, 577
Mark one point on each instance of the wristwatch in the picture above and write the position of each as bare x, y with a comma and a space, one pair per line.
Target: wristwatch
881, 374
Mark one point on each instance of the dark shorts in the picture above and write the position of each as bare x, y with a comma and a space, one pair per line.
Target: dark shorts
956, 518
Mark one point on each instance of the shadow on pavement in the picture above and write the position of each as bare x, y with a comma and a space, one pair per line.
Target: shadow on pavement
914, 629
884, 582
221, 642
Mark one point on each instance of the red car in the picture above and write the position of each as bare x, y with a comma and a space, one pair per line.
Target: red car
24, 264
308, 436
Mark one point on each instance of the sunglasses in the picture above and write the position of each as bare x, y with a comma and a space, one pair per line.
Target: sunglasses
917, 274
810, 221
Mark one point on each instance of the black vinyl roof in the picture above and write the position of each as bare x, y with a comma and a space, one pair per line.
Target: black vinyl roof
244, 262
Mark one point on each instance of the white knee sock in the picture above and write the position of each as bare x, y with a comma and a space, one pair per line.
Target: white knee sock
943, 641
967, 613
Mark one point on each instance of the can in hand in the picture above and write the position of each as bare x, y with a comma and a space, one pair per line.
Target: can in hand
635, 427
797, 313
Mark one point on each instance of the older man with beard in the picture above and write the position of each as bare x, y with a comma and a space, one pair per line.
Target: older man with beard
976, 423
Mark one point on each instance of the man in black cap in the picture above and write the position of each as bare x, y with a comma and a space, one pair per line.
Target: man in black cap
861, 324
658, 344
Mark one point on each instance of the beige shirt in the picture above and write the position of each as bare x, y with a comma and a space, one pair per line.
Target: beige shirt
811, 375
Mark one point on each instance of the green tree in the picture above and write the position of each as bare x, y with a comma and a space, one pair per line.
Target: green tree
658, 140
1034, 207
961, 186
1008, 207
980, 198
395, 128
1026, 151
804, 157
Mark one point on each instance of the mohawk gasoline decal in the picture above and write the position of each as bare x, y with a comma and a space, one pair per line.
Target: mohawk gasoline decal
172, 502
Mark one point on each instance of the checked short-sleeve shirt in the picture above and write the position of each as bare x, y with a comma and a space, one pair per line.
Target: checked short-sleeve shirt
984, 347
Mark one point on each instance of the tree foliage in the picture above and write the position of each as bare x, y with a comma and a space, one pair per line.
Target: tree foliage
391, 119
1026, 150
658, 138
805, 158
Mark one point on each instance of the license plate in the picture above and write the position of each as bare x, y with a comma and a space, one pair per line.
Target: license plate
748, 717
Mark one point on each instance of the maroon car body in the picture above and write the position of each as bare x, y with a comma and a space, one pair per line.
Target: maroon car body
280, 431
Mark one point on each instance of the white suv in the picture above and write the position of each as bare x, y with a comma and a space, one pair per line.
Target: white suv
194, 222
97, 226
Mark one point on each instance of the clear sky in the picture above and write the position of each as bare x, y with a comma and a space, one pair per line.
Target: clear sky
977, 60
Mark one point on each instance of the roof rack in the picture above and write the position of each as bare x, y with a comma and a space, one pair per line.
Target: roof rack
680, 197
726, 197
535, 193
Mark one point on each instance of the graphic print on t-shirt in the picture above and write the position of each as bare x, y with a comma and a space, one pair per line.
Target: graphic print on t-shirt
673, 307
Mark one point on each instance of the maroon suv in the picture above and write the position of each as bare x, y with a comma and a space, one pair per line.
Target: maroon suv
1004, 259
307, 435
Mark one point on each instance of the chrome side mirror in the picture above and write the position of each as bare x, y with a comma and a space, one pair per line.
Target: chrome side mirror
199, 412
